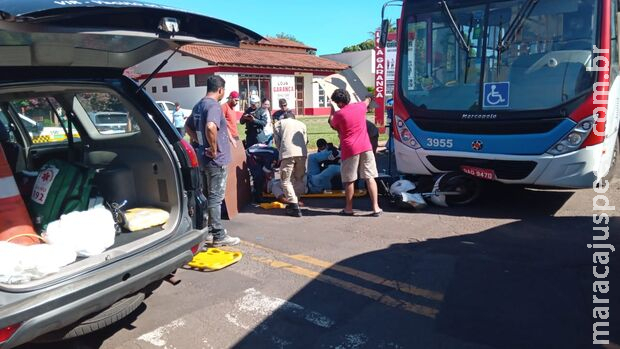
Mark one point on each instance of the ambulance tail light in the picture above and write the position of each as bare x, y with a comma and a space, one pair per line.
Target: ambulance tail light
7, 332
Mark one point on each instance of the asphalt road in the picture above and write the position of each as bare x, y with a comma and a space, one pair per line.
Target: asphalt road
510, 271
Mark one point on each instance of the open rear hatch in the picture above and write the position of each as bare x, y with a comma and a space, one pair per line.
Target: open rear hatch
103, 33
56, 35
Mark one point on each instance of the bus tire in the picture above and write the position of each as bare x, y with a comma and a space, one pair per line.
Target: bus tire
469, 186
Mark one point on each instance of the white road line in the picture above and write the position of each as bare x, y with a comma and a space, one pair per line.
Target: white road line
256, 303
319, 319
281, 343
258, 306
158, 336
353, 341
233, 320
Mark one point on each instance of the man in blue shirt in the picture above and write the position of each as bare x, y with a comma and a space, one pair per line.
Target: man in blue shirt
320, 179
179, 119
215, 153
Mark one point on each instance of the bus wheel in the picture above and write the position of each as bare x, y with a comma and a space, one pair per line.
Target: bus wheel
467, 187
614, 161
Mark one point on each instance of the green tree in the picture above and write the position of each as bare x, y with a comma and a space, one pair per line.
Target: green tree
286, 36
367, 44
364, 45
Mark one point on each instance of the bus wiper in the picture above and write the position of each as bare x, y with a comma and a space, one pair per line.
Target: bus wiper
524, 12
454, 26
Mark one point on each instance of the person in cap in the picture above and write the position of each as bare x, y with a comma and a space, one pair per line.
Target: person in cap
254, 123
261, 161
284, 110
230, 114
291, 139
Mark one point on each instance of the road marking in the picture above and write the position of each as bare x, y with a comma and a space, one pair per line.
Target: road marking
363, 291
352, 341
254, 302
233, 320
397, 285
280, 342
158, 336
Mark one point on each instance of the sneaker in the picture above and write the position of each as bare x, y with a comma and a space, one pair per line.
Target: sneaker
293, 210
227, 240
207, 243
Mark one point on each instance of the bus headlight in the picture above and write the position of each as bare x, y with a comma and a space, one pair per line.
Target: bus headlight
405, 135
574, 139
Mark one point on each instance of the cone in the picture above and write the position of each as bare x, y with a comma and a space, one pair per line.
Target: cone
15, 223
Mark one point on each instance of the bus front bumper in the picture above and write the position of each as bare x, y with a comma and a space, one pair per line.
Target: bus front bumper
573, 170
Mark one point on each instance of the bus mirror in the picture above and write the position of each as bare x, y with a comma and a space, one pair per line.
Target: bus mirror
385, 27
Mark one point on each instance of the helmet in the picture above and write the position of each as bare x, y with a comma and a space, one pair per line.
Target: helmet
401, 186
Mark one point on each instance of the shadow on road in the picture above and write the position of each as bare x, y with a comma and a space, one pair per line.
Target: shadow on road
509, 201
519, 285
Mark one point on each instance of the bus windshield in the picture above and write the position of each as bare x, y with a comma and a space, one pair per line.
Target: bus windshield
541, 66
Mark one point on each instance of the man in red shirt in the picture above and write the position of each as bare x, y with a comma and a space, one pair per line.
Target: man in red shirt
230, 114
356, 150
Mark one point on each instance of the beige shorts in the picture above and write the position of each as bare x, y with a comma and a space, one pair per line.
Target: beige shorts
363, 164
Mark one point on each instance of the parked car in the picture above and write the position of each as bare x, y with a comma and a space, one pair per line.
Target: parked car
72, 55
168, 108
110, 122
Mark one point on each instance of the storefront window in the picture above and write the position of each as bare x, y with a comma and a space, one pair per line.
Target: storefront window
323, 99
253, 85
180, 81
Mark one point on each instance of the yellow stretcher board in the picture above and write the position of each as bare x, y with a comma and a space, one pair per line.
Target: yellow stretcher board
214, 259
327, 194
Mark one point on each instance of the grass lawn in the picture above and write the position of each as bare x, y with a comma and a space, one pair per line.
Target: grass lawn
317, 128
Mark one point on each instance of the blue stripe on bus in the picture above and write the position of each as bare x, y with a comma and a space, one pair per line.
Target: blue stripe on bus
518, 144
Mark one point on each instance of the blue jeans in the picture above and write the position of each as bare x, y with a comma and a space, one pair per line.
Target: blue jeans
216, 188
323, 181
318, 180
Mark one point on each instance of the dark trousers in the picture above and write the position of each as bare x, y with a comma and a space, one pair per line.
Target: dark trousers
216, 189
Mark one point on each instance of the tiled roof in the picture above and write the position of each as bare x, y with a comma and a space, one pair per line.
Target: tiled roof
238, 57
284, 43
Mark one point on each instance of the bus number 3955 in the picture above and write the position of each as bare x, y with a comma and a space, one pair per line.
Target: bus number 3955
439, 143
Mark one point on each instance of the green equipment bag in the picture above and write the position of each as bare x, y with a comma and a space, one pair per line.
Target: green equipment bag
60, 188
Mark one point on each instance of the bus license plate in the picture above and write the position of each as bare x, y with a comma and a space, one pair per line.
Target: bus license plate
483, 173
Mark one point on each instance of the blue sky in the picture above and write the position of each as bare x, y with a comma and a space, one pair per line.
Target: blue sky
327, 25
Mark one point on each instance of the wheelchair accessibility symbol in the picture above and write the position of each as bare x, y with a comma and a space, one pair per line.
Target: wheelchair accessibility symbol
496, 95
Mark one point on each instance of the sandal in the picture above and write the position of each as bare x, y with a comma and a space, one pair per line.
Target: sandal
377, 214
345, 213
